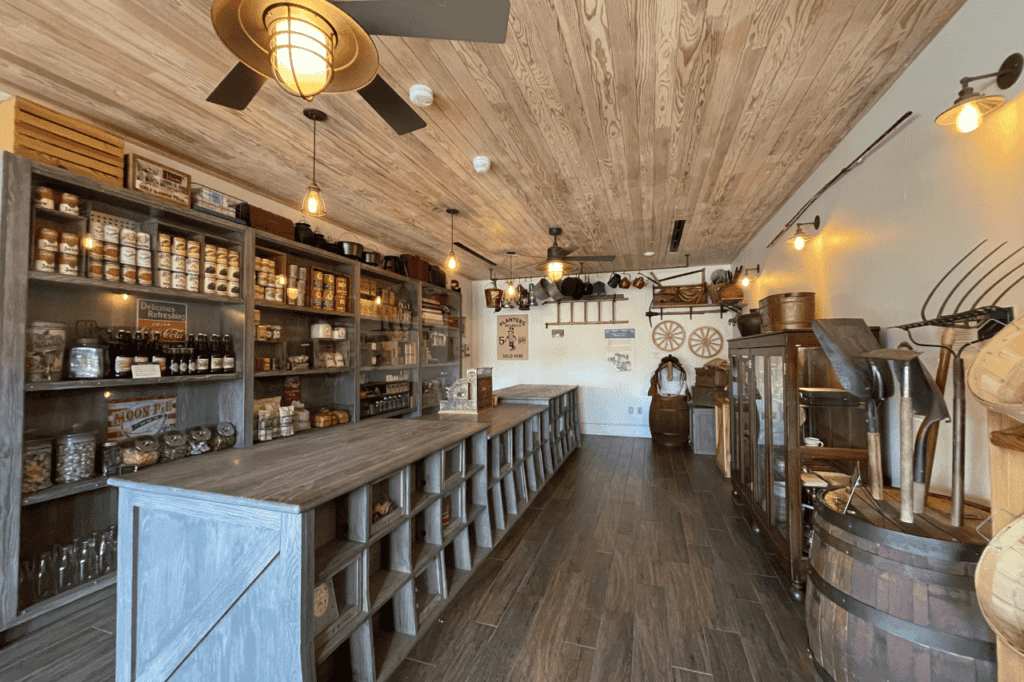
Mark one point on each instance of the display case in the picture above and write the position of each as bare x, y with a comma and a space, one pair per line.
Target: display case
783, 390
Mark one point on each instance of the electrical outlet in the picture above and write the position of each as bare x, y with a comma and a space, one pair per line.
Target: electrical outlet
640, 410
631, 409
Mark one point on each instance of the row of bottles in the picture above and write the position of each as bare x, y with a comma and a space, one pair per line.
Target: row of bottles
201, 354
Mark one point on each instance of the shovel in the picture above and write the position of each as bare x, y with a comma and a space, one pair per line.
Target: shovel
844, 342
929, 403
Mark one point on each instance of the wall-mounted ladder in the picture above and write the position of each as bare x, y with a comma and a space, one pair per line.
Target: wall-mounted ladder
586, 319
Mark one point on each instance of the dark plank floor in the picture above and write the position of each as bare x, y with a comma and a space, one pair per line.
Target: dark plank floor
632, 565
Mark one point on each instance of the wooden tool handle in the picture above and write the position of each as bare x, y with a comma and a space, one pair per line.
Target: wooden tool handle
906, 460
875, 465
941, 372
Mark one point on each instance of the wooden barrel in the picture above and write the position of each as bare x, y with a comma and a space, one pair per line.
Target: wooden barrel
883, 604
670, 420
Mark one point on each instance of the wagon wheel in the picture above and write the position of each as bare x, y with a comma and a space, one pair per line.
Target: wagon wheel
706, 342
668, 336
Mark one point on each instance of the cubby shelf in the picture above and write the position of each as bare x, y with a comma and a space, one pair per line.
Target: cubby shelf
86, 384
382, 586
334, 556
133, 289
59, 490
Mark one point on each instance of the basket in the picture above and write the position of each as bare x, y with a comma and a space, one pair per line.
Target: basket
996, 378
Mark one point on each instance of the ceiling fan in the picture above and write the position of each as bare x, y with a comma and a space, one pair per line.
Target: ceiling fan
314, 46
559, 260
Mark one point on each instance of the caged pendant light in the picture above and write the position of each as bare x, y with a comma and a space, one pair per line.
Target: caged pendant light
452, 264
313, 202
302, 45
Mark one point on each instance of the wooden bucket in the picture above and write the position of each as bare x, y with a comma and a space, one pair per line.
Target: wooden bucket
887, 605
670, 420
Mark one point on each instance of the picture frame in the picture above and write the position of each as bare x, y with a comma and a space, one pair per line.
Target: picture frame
148, 176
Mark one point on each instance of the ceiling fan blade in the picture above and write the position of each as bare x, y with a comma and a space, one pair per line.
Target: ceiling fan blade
478, 21
238, 88
566, 250
391, 106
591, 259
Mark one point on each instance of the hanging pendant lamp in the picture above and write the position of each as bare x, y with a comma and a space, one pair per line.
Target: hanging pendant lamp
313, 202
452, 264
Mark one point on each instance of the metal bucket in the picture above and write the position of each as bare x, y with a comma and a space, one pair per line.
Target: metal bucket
784, 312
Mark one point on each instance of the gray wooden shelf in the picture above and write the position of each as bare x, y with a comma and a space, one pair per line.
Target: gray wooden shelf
385, 368
60, 216
274, 305
59, 490
328, 371
86, 384
64, 598
50, 278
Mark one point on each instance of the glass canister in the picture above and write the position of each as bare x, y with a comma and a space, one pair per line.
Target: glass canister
76, 457
111, 458
173, 445
36, 465
199, 439
44, 350
140, 452
222, 436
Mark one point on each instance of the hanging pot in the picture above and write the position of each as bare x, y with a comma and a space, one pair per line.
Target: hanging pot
588, 288
372, 258
492, 297
394, 264
599, 289
540, 291
613, 281
572, 287
639, 282
304, 233
554, 291
624, 283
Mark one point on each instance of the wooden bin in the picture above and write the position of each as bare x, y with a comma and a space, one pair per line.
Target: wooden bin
887, 605
33, 131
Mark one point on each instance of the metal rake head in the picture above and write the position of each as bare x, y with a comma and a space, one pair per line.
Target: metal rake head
1000, 266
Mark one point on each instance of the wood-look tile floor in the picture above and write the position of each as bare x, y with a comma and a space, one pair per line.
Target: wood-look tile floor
632, 565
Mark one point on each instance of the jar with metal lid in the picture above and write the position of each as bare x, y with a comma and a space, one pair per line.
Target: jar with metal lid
199, 439
111, 458
222, 436
36, 465
87, 359
173, 445
140, 452
76, 457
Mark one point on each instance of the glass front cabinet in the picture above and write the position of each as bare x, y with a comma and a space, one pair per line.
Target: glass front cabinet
782, 390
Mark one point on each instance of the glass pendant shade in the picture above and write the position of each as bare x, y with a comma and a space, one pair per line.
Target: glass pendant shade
301, 49
555, 270
798, 240
313, 202
745, 282
968, 111
452, 263
511, 290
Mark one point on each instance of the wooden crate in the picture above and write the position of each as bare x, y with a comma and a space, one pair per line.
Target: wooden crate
33, 131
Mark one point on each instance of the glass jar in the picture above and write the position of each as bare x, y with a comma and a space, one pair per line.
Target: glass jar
173, 445
111, 458
140, 452
36, 465
76, 457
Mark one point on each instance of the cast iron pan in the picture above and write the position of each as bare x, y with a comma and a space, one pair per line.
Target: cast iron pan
572, 286
588, 288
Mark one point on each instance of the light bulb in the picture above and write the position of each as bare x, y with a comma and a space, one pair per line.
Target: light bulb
301, 49
555, 270
124, 296
378, 300
745, 281
452, 263
293, 294
313, 203
798, 243
511, 291
968, 119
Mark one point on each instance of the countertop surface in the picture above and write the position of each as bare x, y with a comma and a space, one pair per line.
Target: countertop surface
534, 391
298, 473
498, 419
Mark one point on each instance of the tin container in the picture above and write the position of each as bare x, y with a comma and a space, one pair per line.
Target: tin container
144, 257
222, 253
178, 280
178, 263
129, 273
191, 266
234, 289
143, 240
43, 197
47, 239
222, 269
192, 283
111, 251
209, 285
163, 260
233, 273
164, 241
222, 287
127, 235
233, 257
45, 261
67, 265
96, 230
127, 255
111, 270
94, 267
69, 243
68, 203
163, 279
112, 234
178, 246
145, 276
194, 249
263, 279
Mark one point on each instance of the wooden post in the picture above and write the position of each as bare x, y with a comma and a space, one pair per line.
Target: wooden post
1006, 473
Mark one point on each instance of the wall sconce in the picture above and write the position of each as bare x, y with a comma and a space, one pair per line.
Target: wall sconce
800, 238
747, 278
970, 106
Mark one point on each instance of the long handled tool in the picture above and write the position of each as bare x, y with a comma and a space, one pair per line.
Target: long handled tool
845, 341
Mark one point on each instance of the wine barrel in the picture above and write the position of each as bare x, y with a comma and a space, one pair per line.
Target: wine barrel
670, 420
887, 605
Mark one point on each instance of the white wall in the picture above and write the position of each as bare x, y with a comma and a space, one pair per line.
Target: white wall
897, 222
580, 358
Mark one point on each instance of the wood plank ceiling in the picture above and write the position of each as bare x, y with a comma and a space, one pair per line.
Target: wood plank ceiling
610, 118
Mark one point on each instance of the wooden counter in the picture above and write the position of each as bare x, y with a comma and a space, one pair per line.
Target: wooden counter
275, 562
560, 423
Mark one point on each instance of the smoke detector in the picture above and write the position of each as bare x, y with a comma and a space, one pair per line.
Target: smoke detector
482, 164
421, 95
